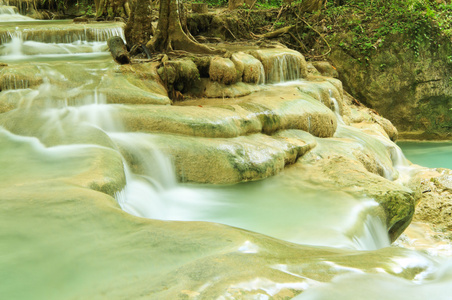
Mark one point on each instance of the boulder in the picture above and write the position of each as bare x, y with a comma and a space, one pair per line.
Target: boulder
325, 68
249, 69
222, 70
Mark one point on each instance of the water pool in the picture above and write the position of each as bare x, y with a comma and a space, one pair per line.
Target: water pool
428, 154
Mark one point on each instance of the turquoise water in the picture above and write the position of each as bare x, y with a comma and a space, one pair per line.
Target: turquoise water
428, 154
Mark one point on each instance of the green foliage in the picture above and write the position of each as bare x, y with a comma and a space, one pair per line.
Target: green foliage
259, 3
369, 23
215, 2
58, 5
269, 3
85, 7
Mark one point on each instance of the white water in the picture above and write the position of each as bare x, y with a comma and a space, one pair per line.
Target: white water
284, 68
261, 74
375, 235
152, 191
11, 14
302, 216
336, 109
8, 10
436, 285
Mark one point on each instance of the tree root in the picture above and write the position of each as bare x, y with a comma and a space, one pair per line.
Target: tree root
321, 36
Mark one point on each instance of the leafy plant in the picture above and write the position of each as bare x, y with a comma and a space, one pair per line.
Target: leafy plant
371, 22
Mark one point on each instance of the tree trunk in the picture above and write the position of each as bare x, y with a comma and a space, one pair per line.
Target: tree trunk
233, 4
311, 5
112, 8
199, 8
170, 35
139, 29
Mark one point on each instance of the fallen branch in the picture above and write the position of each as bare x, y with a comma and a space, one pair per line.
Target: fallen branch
277, 17
225, 26
249, 10
276, 33
298, 41
118, 50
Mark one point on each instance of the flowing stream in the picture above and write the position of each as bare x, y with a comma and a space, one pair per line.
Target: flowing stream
72, 61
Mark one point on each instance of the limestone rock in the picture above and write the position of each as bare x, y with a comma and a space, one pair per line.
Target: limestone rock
249, 69
434, 199
185, 74
19, 77
414, 93
222, 70
226, 161
135, 84
213, 89
325, 68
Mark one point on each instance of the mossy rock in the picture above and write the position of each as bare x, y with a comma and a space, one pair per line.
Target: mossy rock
223, 70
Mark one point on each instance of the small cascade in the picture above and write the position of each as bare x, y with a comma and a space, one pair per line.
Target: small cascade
12, 82
378, 146
398, 158
103, 34
284, 68
8, 10
149, 174
142, 152
400, 163
72, 34
11, 14
63, 33
336, 110
280, 64
261, 75
13, 49
375, 235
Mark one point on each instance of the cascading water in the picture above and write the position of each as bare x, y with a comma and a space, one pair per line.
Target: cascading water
280, 66
63, 103
284, 68
336, 109
11, 14
8, 10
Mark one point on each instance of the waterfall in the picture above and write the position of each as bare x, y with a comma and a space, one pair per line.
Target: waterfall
336, 109
143, 193
11, 14
62, 194
63, 33
280, 65
283, 67
398, 158
8, 10
12, 82
261, 74
375, 235
379, 145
